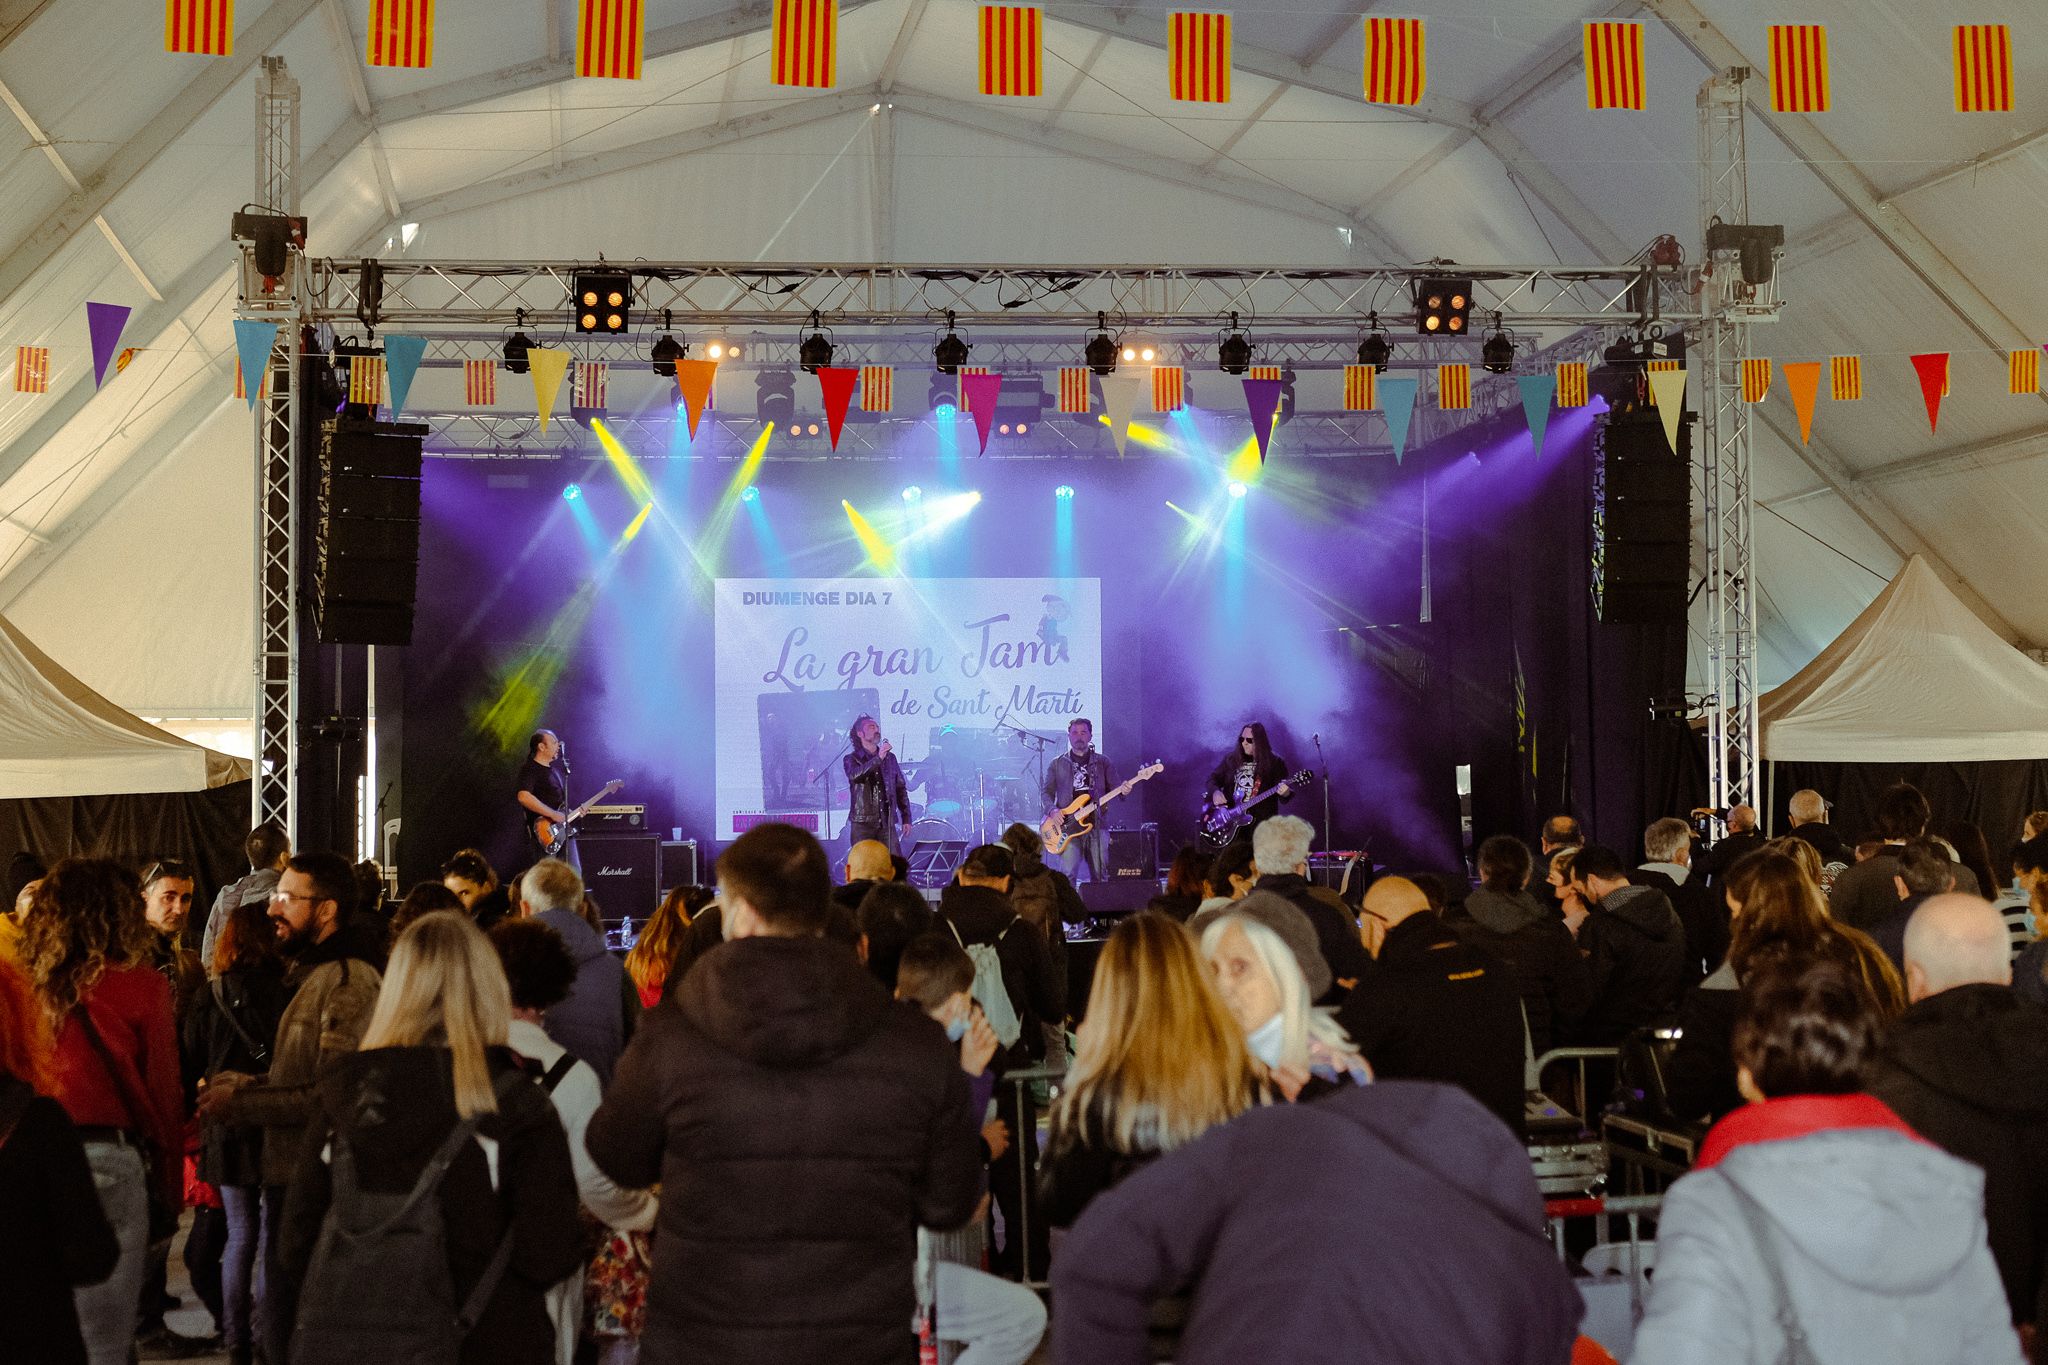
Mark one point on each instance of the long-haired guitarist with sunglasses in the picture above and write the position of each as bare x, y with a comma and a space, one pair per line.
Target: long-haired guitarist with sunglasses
1249, 769
544, 794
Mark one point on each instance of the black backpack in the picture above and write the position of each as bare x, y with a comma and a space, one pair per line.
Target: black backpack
379, 1287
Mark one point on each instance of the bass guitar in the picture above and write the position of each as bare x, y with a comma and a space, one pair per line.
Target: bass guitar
1220, 824
552, 837
1077, 817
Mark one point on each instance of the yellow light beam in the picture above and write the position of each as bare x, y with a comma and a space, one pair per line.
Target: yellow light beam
629, 471
880, 554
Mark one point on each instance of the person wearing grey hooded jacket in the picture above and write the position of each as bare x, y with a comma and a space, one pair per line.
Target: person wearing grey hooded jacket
1501, 918
1816, 1227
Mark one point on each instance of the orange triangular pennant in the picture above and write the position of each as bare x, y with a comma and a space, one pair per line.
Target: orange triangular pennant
1802, 382
693, 380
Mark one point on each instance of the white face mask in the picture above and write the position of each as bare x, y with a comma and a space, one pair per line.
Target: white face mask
1266, 1040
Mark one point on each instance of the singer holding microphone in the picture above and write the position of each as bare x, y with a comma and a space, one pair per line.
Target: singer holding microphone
878, 802
1078, 773
544, 794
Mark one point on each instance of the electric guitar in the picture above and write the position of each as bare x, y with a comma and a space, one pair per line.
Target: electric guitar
1220, 824
552, 837
1077, 817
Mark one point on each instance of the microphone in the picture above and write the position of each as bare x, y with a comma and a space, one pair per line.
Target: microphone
562, 752
1317, 739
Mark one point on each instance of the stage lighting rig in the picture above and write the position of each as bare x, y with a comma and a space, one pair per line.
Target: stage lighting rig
1374, 349
517, 345
274, 236
775, 399
666, 351
1100, 352
603, 302
949, 353
1497, 355
1234, 352
816, 351
1756, 245
1443, 306
723, 350
1141, 353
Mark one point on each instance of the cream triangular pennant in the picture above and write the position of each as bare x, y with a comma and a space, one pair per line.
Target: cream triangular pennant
1667, 387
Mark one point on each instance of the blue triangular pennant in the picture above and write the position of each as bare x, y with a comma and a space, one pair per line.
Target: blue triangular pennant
1397, 401
1537, 391
253, 341
401, 361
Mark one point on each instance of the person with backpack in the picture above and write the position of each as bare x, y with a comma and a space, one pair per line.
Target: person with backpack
435, 1202
232, 1026
1017, 988
539, 970
1044, 898
57, 1236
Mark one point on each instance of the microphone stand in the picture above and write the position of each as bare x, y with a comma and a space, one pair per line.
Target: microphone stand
825, 776
1327, 845
1039, 744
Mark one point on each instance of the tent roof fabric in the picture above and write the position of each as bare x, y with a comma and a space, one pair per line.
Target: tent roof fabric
1916, 678
58, 737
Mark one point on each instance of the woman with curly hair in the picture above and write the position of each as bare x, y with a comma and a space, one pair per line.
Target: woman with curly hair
86, 947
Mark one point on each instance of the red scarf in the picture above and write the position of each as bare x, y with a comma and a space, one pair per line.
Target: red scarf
1797, 1116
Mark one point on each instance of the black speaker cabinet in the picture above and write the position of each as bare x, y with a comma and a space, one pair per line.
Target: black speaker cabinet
1133, 853
678, 865
622, 872
366, 531
1642, 521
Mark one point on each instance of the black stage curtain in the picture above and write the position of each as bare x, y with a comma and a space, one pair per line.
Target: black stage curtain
205, 829
1995, 797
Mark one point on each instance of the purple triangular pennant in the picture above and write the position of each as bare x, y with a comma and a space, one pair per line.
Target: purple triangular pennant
105, 321
1262, 400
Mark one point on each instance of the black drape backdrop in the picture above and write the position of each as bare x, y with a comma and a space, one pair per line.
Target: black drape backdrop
1995, 797
205, 829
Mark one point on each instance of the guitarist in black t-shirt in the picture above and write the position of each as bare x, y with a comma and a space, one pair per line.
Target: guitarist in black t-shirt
544, 795
1252, 768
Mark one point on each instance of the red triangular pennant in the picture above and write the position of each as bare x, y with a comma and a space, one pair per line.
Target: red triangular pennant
835, 386
1933, 370
979, 392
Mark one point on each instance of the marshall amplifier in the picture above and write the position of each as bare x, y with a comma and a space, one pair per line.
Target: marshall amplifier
622, 872
610, 818
1133, 853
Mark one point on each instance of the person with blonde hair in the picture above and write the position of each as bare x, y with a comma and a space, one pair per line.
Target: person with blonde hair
1267, 966
1160, 1060
434, 1066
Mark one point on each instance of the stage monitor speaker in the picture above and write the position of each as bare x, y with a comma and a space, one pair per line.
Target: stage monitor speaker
366, 531
678, 865
1118, 897
621, 872
1642, 521
1133, 853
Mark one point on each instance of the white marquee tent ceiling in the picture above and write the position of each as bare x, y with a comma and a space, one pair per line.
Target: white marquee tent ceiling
124, 536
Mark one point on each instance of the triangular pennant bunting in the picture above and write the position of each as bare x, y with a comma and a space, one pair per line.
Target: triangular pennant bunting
1667, 389
693, 380
1262, 403
1119, 400
978, 394
253, 341
547, 366
104, 322
1933, 371
402, 355
1802, 384
1537, 390
835, 388
1397, 401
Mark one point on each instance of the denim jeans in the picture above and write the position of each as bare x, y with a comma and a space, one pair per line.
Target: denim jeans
106, 1311
999, 1322
252, 1221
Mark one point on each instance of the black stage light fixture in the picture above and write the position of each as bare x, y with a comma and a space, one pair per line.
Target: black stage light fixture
517, 345
666, 350
775, 398
816, 351
272, 235
1443, 306
1100, 352
1234, 352
1375, 350
604, 302
1497, 355
942, 393
950, 352
1757, 247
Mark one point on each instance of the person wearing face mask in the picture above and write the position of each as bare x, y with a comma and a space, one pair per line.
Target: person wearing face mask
1262, 951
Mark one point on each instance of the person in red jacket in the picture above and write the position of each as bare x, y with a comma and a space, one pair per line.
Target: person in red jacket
86, 947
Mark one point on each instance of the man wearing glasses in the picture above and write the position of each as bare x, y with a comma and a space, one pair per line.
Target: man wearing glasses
1248, 770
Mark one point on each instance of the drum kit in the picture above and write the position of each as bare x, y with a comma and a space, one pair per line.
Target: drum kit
974, 784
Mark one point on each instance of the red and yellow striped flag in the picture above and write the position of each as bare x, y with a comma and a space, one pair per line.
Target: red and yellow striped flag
1396, 62
1198, 57
1453, 387
1169, 388
366, 379
592, 380
242, 389
877, 388
1571, 384
2025, 372
1614, 65
401, 33
805, 46
31, 369
960, 394
1073, 388
480, 382
1799, 68
1845, 378
609, 37
1361, 388
204, 28
1658, 366
1012, 50
1756, 378
1264, 372
1983, 61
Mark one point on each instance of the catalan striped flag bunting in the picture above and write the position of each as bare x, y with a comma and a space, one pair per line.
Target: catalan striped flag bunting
1845, 378
480, 382
1799, 68
1198, 57
1537, 391
1667, 394
31, 369
966, 373
1614, 65
1361, 388
1396, 61
1073, 388
609, 37
1933, 371
253, 342
546, 366
1983, 61
366, 380
835, 390
693, 381
1012, 50
1802, 384
1169, 388
1264, 372
592, 379
2024, 374
401, 33
203, 28
1656, 367
804, 46
1571, 384
1756, 378
877, 388
1453, 387
241, 387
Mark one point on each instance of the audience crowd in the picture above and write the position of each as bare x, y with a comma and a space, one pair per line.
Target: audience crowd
801, 1120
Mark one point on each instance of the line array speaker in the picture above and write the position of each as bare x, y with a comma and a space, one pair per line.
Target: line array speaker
366, 536
1642, 520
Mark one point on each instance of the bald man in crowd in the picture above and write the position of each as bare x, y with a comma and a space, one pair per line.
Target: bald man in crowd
1967, 1066
1433, 1007
1743, 838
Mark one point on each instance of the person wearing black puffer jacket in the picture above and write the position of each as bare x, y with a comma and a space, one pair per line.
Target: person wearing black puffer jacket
1501, 918
1634, 945
803, 1125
